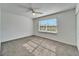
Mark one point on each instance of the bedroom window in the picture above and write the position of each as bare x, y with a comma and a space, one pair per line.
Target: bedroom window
48, 25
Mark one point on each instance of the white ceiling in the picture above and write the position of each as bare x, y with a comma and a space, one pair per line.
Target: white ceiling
45, 8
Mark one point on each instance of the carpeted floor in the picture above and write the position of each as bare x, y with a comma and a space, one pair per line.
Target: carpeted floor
37, 46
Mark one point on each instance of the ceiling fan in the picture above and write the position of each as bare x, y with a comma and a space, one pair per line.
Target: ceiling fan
33, 10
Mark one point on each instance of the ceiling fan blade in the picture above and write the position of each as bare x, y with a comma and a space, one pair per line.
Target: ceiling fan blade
39, 12
33, 10
21, 6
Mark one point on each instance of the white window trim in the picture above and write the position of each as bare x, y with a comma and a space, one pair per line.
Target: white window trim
46, 29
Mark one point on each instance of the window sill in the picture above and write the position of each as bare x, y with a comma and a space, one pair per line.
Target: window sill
48, 31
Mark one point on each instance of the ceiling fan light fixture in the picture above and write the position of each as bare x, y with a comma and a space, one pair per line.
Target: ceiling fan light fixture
33, 13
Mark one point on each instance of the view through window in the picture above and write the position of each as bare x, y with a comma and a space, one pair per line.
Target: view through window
48, 25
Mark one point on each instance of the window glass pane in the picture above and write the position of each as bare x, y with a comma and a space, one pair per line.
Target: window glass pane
51, 25
51, 22
48, 25
43, 24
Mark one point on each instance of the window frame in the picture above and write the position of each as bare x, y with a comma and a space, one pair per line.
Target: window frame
46, 26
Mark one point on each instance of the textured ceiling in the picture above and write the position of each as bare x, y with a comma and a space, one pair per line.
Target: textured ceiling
45, 8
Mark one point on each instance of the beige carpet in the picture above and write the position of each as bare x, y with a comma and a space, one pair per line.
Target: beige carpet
37, 46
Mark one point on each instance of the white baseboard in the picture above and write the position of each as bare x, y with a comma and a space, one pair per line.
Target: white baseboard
15, 38
58, 40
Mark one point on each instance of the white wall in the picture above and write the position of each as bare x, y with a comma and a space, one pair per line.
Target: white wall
0, 24
66, 27
77, 9
15, 26
0, 31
